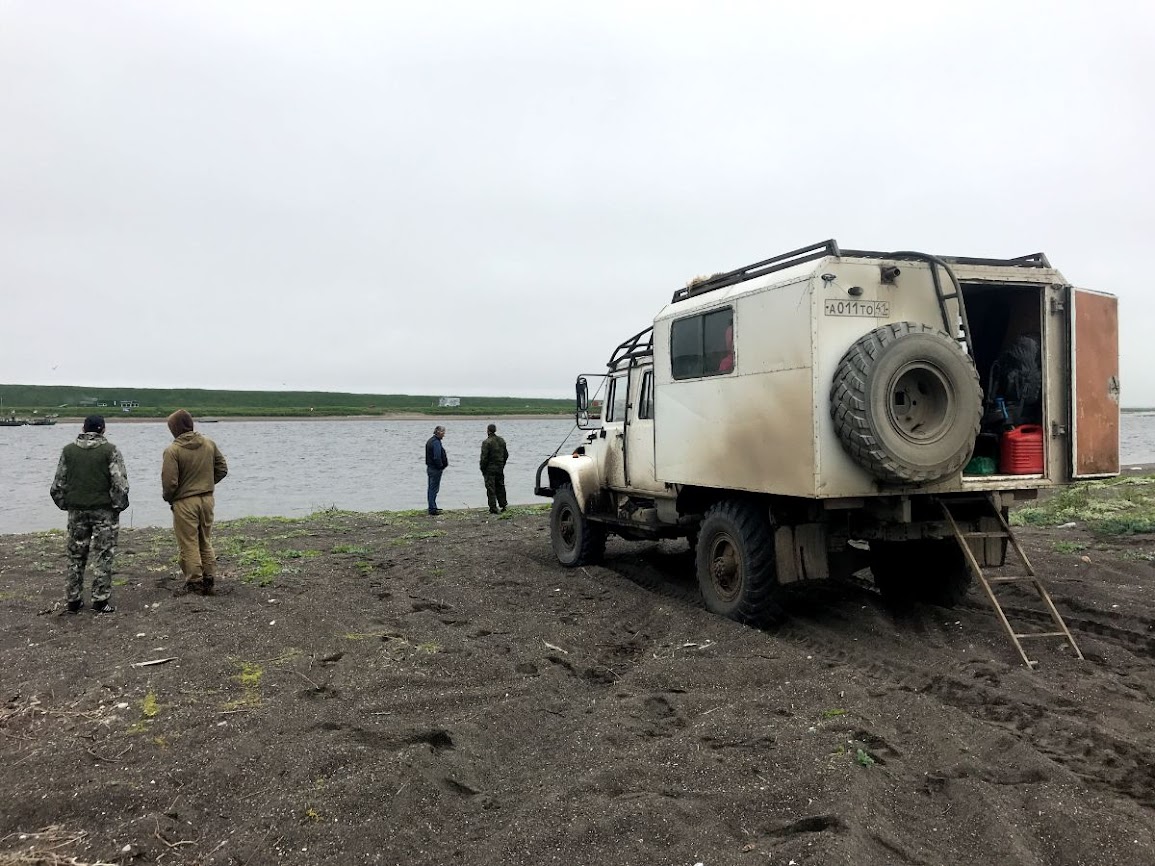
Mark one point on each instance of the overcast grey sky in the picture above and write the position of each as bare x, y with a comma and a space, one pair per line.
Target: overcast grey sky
484, 198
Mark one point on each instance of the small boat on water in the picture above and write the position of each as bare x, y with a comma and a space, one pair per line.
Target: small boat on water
35, 421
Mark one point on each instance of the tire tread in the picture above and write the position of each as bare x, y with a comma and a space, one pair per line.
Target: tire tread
756, 604
591, 545
849, 409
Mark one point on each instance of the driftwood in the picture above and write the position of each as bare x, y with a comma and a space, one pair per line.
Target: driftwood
153, 662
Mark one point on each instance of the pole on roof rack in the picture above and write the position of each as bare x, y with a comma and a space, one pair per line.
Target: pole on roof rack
768, 266
639, 345
1033, 260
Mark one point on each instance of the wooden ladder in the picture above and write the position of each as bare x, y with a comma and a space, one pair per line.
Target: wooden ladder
1030, 577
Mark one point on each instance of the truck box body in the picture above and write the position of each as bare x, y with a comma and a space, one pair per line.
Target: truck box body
767, 427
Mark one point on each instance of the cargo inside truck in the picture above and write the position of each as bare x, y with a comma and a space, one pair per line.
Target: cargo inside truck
1007, 340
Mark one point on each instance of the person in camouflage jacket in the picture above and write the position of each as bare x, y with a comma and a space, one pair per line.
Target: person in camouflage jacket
91, 484
494, 455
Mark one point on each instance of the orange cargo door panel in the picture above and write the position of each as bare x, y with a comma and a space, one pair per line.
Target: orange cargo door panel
1095, 384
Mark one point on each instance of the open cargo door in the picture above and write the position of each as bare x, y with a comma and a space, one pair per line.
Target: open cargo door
1094, 384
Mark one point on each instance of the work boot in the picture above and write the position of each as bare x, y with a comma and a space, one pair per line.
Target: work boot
207, 585
103, 607
194, 586
495, 511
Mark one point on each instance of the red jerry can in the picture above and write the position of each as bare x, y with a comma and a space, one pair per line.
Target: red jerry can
1021, 451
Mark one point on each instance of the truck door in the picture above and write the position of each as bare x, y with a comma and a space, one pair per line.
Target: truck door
614, 429
640, 431
1094, 330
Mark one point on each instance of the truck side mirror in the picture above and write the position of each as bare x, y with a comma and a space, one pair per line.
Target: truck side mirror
583, 403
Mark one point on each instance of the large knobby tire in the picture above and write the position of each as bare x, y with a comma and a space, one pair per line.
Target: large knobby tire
906, 403
735, 562
930, 570
576, 539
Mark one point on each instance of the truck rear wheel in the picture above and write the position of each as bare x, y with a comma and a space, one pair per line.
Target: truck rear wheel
906, 403
575, 538
930, 570
735, 562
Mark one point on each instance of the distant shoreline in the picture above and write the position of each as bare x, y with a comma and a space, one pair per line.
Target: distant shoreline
399, 416
1137, 469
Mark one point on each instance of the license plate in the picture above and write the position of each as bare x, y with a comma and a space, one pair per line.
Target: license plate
856, 307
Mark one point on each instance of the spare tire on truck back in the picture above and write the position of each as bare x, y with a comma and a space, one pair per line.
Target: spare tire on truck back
906, 403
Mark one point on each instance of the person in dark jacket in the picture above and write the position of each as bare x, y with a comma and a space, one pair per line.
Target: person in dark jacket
91, 484
190, 470
436, 460
494, 455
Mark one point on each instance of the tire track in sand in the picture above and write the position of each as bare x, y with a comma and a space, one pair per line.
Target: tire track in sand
1101, 758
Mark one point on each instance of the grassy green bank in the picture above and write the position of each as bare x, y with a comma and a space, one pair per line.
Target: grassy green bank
271, 551
75, 401
1113, 506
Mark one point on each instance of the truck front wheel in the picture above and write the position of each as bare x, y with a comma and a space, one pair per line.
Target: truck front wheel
735, 562
929, 570
576, 539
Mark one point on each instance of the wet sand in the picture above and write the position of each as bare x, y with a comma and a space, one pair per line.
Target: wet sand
395, 688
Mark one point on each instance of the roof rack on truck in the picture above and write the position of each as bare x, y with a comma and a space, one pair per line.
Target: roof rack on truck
640, 345
830, 248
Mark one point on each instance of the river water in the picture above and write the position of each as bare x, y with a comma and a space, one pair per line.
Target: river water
285, 468
295, 467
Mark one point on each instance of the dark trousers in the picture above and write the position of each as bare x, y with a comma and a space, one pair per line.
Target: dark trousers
434, 485
495, 488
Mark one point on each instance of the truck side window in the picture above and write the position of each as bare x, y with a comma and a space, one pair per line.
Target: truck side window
718, 342
616, 399
686, 347
646, 398
703, 345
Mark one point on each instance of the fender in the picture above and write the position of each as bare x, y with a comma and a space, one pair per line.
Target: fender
578, 470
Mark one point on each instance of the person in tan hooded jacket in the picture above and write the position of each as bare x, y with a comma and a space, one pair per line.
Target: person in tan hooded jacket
190, 471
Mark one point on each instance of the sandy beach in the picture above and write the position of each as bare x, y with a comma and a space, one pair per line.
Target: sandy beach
395, 688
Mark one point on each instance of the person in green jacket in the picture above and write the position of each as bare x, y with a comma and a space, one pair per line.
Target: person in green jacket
91, 484
494, 455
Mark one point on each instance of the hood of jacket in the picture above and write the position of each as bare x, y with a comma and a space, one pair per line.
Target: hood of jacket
90, 440
192, 441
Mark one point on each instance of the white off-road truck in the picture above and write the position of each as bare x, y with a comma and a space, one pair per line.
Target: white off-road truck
827, 409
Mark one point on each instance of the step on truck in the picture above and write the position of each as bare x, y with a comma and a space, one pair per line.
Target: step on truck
826, 409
